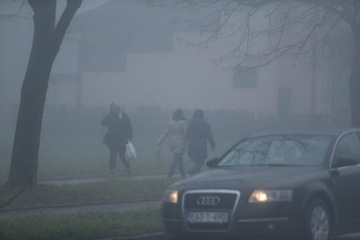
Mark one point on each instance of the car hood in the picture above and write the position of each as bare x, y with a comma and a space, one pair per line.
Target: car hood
249, 177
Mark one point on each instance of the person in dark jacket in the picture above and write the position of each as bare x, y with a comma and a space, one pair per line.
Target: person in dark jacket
118, 135
198, 134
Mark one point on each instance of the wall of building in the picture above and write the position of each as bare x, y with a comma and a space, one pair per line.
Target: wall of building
182, 78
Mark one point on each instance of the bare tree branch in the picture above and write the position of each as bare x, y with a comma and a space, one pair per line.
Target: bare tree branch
300, 30
12, 17
283, 26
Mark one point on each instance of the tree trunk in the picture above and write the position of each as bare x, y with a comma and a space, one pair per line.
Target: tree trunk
46, 45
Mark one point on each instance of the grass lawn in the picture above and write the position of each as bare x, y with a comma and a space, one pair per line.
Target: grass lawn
97, 225
82, 226
104, 191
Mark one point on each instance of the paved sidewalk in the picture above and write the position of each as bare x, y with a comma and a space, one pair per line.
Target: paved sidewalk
153, 236
77, 180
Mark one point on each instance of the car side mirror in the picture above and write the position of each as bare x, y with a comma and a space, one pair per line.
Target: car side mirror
211, 162
346, 162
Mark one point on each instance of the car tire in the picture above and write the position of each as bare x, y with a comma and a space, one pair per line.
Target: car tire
318, 222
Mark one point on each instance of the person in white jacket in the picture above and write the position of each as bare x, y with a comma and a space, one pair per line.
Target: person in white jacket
176, 130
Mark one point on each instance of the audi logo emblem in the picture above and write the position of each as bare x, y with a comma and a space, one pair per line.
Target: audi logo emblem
208, 200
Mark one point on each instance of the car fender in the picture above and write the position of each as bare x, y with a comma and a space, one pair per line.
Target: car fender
317, 190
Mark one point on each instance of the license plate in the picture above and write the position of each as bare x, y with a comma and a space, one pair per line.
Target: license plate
207, 217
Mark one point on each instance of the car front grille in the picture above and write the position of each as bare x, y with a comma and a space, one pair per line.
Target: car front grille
206, 201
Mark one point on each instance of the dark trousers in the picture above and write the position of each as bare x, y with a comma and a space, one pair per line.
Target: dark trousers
199, 162
114, 150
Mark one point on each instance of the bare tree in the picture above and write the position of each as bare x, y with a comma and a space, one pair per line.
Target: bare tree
307, 31
48, 37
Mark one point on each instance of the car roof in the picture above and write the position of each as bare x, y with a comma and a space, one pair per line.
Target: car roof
333, 132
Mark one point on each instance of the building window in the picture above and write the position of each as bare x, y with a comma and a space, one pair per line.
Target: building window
245, 77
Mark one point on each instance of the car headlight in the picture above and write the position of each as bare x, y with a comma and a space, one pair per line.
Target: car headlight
282, 195
171, 196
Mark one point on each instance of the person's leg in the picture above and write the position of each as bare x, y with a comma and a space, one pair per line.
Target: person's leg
122, 150
179, 159
199, 162
172, 166
112, 160
191, 171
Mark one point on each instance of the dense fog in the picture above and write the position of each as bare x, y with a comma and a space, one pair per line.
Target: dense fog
152, 60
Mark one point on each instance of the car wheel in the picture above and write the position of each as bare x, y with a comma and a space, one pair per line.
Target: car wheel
318, 221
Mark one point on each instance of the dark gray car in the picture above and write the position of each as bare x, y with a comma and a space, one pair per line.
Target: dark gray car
296, 184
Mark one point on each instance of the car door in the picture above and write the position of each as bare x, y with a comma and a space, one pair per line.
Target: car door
346, 182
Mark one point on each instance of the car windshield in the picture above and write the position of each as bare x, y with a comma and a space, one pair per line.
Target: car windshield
278, 150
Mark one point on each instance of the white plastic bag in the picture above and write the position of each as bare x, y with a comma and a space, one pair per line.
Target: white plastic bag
130, 151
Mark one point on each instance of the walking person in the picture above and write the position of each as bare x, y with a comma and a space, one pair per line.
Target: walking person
198, 134
176, 130
118, 135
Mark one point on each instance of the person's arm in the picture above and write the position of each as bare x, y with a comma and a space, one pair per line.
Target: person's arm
164, 135
210, 137
184, 127
129, 127
105, 121
188, 132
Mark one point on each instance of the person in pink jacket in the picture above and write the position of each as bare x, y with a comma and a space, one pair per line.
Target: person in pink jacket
176, 130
